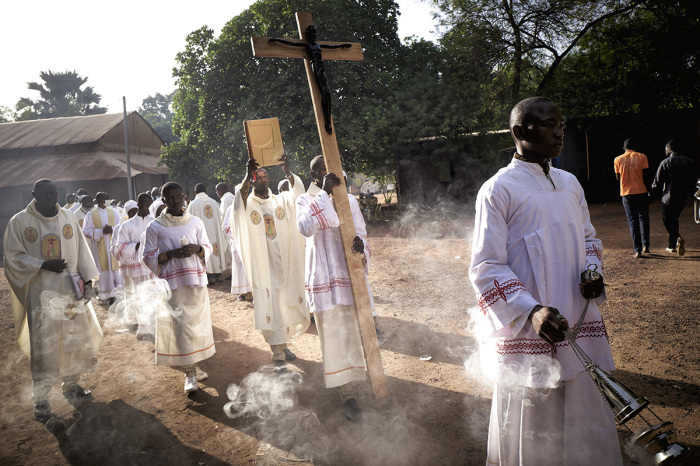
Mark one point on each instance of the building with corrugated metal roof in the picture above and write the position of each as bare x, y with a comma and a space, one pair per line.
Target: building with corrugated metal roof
76, 152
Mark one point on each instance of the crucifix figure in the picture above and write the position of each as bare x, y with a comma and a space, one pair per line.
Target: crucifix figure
264, 47
315, 56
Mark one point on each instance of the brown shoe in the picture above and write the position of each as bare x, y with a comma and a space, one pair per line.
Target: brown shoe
680, 246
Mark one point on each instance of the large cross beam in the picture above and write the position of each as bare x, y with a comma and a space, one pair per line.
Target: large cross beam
262, 47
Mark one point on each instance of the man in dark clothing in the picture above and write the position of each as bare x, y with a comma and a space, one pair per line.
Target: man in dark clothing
675, 179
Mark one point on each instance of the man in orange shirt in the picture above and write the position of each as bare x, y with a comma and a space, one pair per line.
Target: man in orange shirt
630, 170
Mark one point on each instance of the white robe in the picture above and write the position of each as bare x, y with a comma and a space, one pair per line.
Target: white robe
183, 332
207, 210
154, 206
327, 278
226, 202
271, 250
60, 334
137, 306
531, 243
129, 235
110, 284
328, 285
239, 280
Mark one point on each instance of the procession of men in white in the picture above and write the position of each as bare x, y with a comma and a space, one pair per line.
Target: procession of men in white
151, 268
532, 240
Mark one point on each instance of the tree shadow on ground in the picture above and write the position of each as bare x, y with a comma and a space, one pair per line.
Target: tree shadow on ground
116, 433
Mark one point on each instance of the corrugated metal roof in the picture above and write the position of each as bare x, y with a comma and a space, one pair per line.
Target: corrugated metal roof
57, 131
76, 167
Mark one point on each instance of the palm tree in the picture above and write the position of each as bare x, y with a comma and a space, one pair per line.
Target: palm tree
61, 96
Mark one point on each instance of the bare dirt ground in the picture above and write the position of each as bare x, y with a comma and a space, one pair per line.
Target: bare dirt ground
435, 412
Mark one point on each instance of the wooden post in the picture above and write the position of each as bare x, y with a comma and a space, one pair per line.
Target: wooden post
263, 48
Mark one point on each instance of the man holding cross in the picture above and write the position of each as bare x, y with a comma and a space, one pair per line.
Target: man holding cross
271, 249
328, 284
263, 47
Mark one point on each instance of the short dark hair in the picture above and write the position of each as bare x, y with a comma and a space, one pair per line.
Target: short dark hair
169, 186
314, 161
523, 109
673, 146
85, 200
82, 192
630, 144
143, 196
40, 182
200, 188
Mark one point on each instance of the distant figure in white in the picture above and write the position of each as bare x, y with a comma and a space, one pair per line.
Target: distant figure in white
127, 250
207, 210
98, 227
239, 279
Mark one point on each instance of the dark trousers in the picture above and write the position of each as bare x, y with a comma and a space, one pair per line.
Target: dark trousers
670, 213
637, 210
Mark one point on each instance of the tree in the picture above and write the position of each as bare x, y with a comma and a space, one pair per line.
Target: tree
524, 40
641, 63
220, 85
157, 111
61, 96
6, 114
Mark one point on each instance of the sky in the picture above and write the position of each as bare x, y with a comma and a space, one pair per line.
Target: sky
126, 48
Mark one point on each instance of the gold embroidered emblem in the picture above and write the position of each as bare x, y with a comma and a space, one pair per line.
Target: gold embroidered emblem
71, 311
255, 217
67, 231
279, 212
301, 300
31, 234
267, 318
80, 222
93, 361
208, 212
50, 247
270, 229
215, 247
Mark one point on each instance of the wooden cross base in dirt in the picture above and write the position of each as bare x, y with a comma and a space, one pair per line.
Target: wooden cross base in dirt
262, 47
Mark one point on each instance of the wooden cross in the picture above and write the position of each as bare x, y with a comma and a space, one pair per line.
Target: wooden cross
262, 47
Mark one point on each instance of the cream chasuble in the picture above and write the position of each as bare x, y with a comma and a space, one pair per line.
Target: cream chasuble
207, 210
272, 251
59, 334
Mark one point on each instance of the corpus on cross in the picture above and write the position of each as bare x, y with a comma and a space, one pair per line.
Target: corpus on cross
315, 56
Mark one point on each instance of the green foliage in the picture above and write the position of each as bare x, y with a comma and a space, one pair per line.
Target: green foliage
6, 114
641, 63
522, 42
61, 96
220, 85
157, 111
